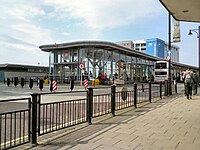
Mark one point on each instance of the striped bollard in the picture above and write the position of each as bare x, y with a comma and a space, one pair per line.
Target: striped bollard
86, 84
54, 85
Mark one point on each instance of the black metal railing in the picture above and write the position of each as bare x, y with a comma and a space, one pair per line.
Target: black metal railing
101, 104
127, 101
46, 117
14, 125
142, 95
155, 91
58, 115
61, 114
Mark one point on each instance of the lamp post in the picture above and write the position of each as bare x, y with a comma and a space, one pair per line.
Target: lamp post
198, 34
169, 61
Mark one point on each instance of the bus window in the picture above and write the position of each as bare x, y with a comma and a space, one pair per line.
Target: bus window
160, 73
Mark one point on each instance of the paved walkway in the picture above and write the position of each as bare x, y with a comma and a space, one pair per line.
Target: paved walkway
172, 123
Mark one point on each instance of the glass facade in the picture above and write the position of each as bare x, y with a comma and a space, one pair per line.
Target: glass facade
65, 62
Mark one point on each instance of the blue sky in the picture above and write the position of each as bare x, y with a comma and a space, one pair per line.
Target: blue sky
25, 25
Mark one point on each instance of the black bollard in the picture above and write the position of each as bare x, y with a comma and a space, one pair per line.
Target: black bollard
15, 81
22, 82
31, 83
72, 84
166, 88
8, 81
51, 85
150, 91
41, 81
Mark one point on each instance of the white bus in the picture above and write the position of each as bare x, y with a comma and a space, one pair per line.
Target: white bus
161, 71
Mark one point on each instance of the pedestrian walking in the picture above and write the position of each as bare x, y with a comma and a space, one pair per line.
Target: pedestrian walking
188, 80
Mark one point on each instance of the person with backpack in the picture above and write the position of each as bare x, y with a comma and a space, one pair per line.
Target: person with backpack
188, 80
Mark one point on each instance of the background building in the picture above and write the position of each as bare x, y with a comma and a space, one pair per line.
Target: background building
22, 71
139, 45
155, 47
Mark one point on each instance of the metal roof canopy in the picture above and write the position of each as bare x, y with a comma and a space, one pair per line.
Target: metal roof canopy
107, 46
183, 10
99, 44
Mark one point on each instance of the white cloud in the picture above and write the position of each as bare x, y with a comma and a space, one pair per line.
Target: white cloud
66, 33
23, 47
31, 33
22, 54
22, 33
100, 14
21, 11
20, 25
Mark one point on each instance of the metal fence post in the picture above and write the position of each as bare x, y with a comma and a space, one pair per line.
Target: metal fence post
113, 91
142, 88
135, 95
175, 85
169, 86
89, 105
166, 87
161, 90
51, 85
150, 91
34, 119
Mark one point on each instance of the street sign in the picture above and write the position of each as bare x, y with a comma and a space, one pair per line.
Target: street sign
81, 66
169, 52
168, 57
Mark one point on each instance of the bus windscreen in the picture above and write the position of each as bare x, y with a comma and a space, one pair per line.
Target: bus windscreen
161, 66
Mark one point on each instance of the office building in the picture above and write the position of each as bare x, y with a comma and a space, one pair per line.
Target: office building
155, 47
